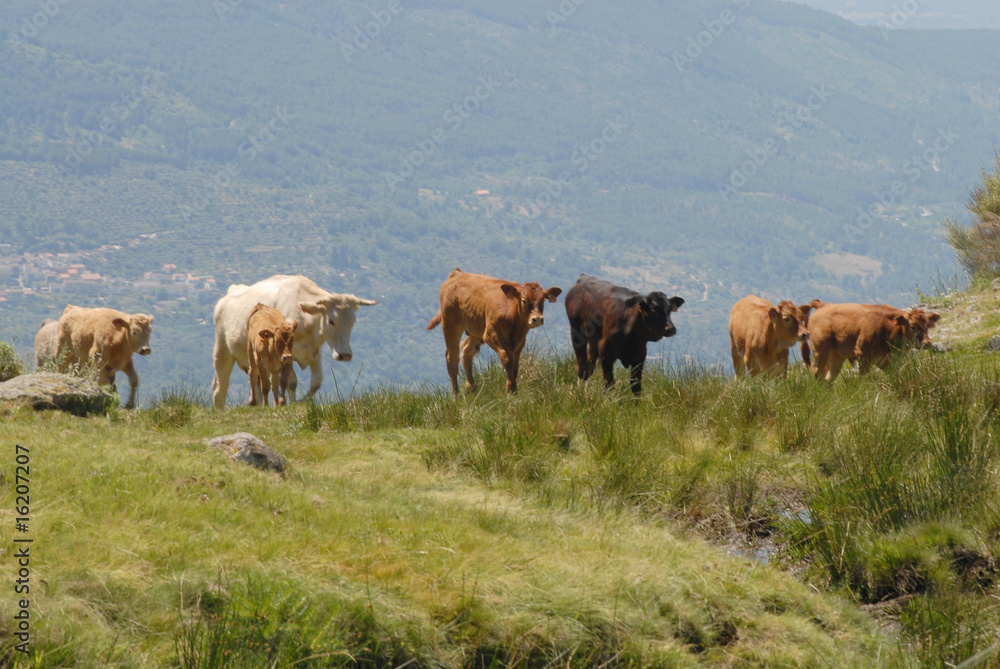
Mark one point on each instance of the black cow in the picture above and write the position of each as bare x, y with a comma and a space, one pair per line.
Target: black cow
616, 323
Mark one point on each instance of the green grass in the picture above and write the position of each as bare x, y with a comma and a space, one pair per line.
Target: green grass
11, 364
563, 526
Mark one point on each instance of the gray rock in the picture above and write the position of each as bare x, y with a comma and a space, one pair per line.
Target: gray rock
996, 285
940, 347
994, 344
48, 390
247, 448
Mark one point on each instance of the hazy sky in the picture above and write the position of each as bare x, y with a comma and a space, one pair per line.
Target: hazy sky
915, 14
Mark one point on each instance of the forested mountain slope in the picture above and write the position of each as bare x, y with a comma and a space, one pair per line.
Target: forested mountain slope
706, 150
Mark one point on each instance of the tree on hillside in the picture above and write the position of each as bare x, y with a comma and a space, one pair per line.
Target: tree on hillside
978, 245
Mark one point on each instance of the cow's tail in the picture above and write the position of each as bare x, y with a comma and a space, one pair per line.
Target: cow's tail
434, 321
816, 304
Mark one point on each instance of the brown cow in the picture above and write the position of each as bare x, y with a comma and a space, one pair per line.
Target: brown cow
269, 351
868, 333
760, 334
489, 310
105, 340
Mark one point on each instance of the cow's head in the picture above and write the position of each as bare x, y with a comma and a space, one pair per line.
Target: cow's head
920, 322
281, 338
899, 328
790, 322
139, 328
531, 300
651, 315
337, 314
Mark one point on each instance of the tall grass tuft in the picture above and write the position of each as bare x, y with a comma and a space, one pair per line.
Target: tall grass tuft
11, 364
266, 624
174, 407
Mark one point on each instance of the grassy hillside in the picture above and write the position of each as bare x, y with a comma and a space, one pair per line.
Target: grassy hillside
173, 95
714, 522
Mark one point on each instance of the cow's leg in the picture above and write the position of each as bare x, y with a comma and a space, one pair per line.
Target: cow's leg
452, 343
783, 363
739, 364
580, 349
265, 384
316, 374
133, 382
224, 362
470, 347
635, 378
292, 384
283, 384
511, 362
608, 369
592, 356
833, 364
816, 364
254, 374
276, 388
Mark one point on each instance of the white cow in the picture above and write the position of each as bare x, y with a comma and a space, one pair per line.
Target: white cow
322, 317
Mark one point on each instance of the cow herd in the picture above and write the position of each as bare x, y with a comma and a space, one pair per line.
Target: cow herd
266, 327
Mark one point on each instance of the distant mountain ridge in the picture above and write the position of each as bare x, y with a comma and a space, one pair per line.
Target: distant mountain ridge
914, 14
724, 176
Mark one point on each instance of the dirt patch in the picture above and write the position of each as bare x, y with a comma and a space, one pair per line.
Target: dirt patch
848, 264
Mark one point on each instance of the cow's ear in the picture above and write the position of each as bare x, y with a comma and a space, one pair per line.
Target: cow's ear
676, 303
901, 321
312, 307
805, 309
552, 293
293, 324
774, 314
120, 323
266, 334
934, 318
150, 317
510, 290
632, 301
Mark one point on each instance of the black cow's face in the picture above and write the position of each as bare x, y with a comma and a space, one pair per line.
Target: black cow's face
654, 313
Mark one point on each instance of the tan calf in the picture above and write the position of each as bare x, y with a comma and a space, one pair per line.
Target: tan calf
104, 340
760, 334
868, 333
270, 338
